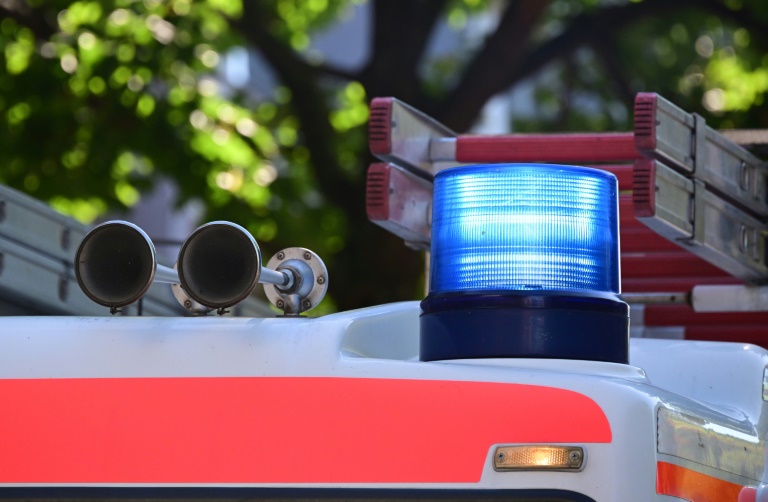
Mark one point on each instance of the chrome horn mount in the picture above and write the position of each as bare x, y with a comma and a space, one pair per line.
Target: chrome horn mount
218, 267
309, 285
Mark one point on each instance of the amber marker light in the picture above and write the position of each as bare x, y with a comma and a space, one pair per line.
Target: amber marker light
538, 457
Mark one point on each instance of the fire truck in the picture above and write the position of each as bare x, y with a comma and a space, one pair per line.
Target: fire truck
516, 377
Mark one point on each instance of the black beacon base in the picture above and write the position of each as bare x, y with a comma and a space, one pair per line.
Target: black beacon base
506, 324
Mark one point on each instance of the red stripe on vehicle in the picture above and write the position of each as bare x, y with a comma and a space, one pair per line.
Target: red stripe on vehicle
694, 486
276, 430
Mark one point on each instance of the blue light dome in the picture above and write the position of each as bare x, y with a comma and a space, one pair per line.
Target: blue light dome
525, 227
525, 263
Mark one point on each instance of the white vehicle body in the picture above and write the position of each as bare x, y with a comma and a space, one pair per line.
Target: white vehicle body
236, 407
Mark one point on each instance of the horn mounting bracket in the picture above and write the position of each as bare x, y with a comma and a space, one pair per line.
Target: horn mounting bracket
310, 281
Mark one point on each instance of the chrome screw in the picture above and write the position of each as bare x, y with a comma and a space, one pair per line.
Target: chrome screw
744, 180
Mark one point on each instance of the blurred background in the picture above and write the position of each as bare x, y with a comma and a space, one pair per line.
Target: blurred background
174, 112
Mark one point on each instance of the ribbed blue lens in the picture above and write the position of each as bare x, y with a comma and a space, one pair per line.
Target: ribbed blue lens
525, 227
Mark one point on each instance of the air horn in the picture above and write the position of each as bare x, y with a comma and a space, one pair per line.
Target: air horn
116, 263
218, 266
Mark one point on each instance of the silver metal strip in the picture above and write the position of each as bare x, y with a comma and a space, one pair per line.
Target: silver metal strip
674, 138
733, 171
411, 135
728, 238
710, 444
687, 212
443, 150
684, 142
729, 298
401, 203
43, 283
661, 298
658, 332
765, 384
33, 224
674, 204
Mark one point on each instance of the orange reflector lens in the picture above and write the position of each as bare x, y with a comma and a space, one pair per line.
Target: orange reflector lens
533, 457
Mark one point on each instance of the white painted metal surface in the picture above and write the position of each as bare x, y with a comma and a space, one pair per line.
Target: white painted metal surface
730, 298
718, 387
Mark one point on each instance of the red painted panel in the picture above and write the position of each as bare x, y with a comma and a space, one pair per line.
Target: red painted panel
551, 148
623, 173
667, 264
377, 192
276, 430
627, 210
633, 223
692, 485
639, 238
673, 284
645, 121
379, 130
683, 315
644, 188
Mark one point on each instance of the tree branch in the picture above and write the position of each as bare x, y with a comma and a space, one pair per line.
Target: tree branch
308, 101
333, 71
401, 33
604, 47
370, 244
743, 17
25, 15
500, 51
500, 72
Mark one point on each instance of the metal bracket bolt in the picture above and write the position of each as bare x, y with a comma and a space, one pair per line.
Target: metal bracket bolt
308, 287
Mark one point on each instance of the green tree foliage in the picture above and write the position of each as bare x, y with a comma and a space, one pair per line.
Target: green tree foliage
100, 98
